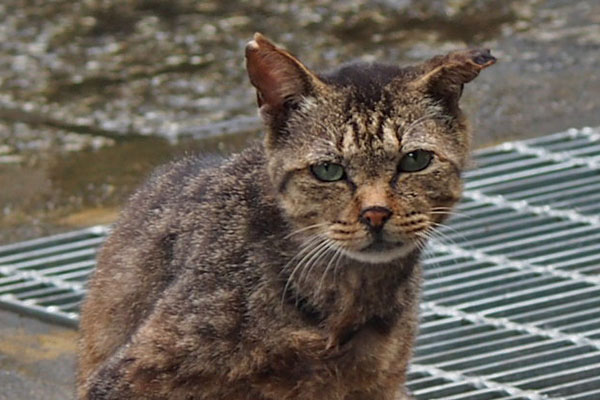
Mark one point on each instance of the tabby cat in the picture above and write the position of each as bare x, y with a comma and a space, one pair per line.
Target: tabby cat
290, 270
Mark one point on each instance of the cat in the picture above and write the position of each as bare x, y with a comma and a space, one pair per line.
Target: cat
290, 270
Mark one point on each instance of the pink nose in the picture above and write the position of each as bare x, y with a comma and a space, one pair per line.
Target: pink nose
375, 217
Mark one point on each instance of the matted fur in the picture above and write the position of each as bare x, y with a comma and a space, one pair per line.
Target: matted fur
253, 279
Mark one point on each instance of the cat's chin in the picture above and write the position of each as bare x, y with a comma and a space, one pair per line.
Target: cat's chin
380, 256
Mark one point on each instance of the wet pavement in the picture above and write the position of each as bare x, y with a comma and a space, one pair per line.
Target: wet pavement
95, 93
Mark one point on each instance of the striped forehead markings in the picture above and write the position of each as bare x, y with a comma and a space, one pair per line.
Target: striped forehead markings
366, 131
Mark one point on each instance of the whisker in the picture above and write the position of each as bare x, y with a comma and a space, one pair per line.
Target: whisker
340, 256
318, 254
444, 236
439, 225
422, 243
442, 208
432, 251
304, 247
448, 211
304, 229
307, 248
354, 238
335, 247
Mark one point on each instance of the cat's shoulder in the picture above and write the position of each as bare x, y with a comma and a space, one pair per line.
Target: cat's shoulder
195, 171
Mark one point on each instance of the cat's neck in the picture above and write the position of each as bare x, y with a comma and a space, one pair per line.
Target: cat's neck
357, 294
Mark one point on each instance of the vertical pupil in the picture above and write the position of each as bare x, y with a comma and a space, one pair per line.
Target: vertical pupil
328, 171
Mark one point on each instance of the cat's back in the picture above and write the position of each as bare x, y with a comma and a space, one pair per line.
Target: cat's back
144, 252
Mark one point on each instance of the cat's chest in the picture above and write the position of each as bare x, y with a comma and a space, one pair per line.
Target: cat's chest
360, 358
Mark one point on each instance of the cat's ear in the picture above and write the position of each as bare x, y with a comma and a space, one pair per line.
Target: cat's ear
443, 77
278, 76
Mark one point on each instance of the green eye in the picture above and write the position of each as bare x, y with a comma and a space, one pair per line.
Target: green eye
415, 161
327, 172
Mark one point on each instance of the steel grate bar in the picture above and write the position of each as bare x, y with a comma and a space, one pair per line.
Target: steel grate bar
459, 380
53, 260
503, 187
547, 171
538, 316
95, 231
524, 207
529, 361
498, 291
569, 257
565, 156
548, 193
503, 308
554, 366
39, 252
505, 323
458, 252
511, 305
510, 231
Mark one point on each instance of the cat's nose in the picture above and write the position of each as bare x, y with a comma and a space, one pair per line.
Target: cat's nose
375, 217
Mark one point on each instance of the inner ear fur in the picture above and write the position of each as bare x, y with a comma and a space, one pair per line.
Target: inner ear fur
443, 77
277, 75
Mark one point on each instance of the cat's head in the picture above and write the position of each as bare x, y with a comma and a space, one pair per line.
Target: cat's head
365, 160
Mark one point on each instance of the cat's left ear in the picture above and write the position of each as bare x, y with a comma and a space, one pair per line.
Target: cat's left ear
279, 78
443, 77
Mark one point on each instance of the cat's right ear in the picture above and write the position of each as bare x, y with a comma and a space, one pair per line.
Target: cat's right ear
280, 78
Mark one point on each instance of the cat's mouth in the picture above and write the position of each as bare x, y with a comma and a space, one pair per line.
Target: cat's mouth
379, 245
381, 251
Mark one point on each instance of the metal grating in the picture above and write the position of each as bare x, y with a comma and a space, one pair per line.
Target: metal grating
511, 306
46, 277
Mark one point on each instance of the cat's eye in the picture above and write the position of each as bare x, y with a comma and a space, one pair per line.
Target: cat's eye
415, 161
328, 172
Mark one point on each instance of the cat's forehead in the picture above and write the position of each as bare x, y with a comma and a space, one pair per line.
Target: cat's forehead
347, 127
369, 132
365, 113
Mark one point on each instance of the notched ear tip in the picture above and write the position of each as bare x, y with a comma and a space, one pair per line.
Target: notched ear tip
455, 68
444, 76
485, 58
481, 58
468, 62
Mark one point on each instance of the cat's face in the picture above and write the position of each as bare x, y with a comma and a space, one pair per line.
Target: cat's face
363, 161
372, 182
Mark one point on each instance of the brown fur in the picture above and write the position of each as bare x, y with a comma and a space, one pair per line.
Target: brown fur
253, 279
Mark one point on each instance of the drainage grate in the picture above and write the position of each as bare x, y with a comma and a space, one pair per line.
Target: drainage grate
46, 277
511, 306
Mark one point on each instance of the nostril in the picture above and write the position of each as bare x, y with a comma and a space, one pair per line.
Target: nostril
375, 217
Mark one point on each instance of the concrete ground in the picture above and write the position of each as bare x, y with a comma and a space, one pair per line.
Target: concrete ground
37, 359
